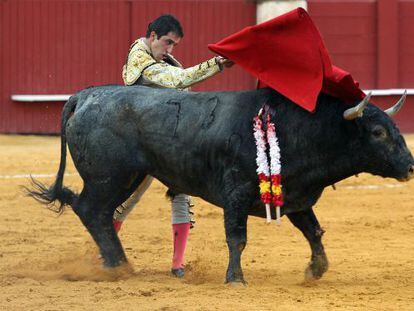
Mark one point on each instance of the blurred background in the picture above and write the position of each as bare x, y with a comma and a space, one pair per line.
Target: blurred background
51, 49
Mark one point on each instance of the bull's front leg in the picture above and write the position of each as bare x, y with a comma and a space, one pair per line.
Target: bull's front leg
235, 221
307, 222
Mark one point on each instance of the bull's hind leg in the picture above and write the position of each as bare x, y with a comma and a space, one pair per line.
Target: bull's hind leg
307, 222
235, 221
95, 216
95, 208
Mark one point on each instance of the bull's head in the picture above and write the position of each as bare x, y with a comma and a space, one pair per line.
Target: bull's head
385, 148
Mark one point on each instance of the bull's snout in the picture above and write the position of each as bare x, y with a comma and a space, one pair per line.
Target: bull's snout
411, 172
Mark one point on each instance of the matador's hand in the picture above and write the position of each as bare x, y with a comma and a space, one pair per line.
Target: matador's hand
224, 62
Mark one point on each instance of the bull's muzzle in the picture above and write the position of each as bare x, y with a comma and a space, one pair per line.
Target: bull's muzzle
408, 175
411, 172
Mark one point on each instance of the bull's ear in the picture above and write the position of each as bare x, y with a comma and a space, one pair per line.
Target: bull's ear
357, 111
394, 109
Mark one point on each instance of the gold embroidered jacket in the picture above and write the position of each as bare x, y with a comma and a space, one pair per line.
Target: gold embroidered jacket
143, 69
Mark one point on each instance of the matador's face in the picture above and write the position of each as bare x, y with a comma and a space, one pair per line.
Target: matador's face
160, 47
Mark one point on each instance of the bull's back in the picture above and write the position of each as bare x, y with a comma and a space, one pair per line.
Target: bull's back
180, 138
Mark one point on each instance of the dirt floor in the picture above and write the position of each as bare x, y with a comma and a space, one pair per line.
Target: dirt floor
50, 263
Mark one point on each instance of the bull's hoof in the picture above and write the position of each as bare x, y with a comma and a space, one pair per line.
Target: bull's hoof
316, 268
178, 273
234, 276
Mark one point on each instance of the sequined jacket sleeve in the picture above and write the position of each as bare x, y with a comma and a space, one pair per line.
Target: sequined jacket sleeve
165, 75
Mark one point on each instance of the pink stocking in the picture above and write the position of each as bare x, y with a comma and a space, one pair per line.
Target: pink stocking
180, 236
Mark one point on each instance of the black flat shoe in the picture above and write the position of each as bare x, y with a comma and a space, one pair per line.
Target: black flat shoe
178, 273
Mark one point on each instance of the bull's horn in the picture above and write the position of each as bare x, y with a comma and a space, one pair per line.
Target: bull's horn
357, 111
394, 109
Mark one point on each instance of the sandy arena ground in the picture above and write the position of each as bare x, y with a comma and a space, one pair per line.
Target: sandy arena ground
50, 263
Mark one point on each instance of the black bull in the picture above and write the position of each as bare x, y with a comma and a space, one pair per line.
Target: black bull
202, 144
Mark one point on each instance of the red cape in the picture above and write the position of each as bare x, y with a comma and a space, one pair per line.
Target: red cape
287, 54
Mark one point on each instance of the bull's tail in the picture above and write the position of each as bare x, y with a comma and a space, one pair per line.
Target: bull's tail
57, 192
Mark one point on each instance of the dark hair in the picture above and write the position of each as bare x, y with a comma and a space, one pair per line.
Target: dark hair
163, 25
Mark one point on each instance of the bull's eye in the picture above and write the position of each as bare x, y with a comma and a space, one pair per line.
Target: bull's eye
379, 132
